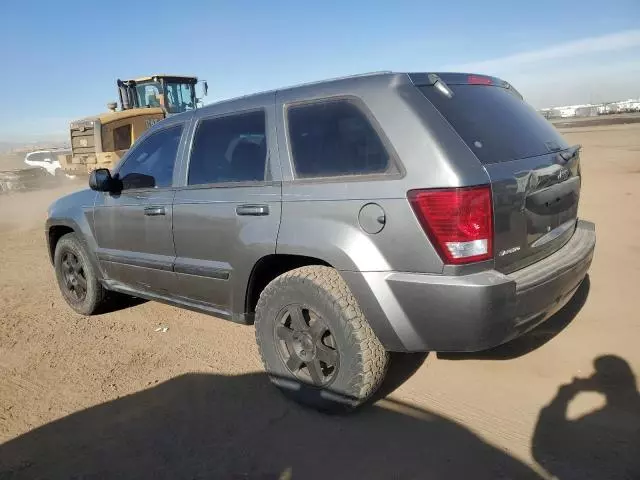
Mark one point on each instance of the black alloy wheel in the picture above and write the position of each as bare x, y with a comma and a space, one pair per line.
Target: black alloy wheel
75, 281
306, 345
315, 343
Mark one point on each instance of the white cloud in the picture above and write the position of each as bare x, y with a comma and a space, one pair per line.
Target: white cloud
591, 45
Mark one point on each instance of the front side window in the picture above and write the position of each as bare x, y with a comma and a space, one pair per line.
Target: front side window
229, 149
150, 163
334, 138
179, 97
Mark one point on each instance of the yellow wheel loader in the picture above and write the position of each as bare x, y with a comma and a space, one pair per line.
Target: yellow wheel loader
101, 140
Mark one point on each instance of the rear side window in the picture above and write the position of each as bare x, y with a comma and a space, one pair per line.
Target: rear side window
229, 149
334, 138
495, 124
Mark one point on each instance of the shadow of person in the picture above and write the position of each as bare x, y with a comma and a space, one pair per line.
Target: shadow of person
602, 444
239, 427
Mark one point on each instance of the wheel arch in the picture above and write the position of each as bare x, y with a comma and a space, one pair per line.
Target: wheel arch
57, 228
268, 268
54, 234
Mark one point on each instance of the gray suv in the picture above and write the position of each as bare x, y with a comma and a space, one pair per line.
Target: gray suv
345, 219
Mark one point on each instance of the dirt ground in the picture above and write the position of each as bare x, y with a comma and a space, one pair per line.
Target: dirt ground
109, 396
10, 161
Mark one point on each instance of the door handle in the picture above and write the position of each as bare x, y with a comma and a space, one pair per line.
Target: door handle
254, 210
154, 211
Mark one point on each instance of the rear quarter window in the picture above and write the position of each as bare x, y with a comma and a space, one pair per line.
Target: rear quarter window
334, 138
495, 123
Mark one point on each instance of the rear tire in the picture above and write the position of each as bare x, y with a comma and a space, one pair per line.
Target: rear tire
77, 277
315, 343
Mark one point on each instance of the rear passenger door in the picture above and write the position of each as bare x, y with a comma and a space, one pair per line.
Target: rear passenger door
226, 214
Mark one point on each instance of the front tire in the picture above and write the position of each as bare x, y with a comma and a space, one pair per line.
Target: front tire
77, 277
315, 342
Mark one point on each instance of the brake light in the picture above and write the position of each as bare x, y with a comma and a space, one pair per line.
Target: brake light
479, 80
459, 221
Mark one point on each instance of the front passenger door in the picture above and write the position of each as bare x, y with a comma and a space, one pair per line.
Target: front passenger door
134, 227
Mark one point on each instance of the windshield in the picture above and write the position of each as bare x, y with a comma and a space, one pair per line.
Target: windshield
148, 94
179, 97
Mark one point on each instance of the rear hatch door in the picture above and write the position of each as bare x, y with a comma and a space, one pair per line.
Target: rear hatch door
535, 174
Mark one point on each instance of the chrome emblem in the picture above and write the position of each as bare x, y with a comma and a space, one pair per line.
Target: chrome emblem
502, 253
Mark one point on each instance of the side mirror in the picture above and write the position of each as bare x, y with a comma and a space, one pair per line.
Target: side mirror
101, 180
205, 87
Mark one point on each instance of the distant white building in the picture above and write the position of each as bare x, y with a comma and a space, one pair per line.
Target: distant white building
587, 110
630, 105
569, 111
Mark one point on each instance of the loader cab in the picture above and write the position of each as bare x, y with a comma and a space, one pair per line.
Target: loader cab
174, 94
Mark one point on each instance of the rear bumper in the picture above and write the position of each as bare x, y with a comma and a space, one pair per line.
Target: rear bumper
473, 312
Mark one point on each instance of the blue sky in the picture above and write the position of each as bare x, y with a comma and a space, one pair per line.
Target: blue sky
60, 59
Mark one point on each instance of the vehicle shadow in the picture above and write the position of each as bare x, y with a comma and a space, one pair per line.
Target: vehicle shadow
118, 301
604, 443
535, 338
239, 427
402, 366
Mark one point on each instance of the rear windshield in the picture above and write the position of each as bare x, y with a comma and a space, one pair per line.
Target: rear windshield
41, 157
495, 123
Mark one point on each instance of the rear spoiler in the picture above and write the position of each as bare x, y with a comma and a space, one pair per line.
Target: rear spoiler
424, 79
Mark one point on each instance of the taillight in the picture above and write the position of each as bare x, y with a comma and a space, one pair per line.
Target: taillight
459, 221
